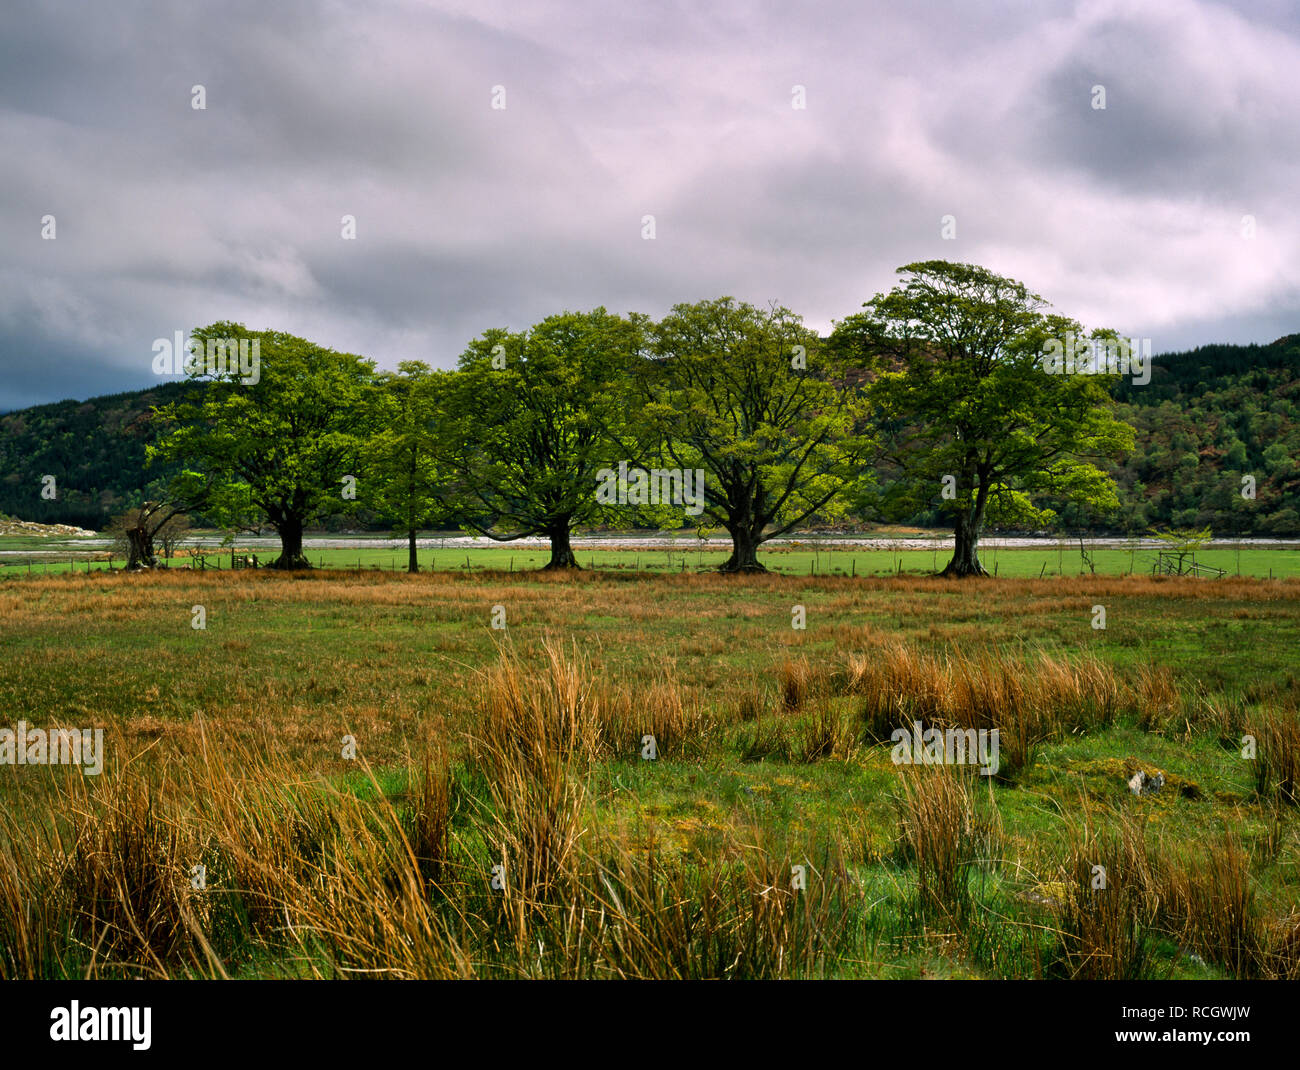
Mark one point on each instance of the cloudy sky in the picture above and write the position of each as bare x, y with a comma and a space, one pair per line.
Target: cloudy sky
469, 216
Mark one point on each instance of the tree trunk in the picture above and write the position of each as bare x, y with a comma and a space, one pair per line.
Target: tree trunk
744, 551
291, 555
412, 560
965, 558
561, 551
140, 552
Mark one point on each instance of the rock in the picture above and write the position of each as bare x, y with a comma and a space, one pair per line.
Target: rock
1047, 894
9, 526
1142, 784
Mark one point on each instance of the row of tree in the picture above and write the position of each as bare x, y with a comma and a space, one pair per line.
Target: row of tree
941, 379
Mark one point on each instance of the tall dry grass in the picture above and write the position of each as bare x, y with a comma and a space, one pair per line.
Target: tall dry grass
945, 836
1203, 900
1106, 912
1207, 902
1277, 757
316, 877
1028, 700
344, 876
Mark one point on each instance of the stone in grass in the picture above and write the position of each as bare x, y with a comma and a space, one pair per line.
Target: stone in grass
1126, 770
1047, 894
1142, 784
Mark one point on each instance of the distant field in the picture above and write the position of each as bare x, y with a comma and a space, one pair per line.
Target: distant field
769, 759
1049, 559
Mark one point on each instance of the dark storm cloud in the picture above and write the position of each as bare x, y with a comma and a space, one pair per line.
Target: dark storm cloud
469, 217
38, 370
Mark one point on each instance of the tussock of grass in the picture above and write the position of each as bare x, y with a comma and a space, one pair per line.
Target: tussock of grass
1118, 892
1277, 760
1105, 914
944, 836
1028, 700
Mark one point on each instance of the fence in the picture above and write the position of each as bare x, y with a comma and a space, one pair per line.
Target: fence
1171, 563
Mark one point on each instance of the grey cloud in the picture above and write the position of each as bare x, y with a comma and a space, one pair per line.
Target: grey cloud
468, 218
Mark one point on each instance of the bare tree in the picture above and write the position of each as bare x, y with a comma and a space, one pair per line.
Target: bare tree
136, 529
174, 530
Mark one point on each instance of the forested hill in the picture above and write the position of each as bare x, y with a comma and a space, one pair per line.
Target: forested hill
1213, 368
94, 449
1207, 418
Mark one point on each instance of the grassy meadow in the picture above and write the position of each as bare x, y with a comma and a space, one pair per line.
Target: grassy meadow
500, 817
36, 556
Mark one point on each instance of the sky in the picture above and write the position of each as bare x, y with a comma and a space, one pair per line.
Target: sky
500, 159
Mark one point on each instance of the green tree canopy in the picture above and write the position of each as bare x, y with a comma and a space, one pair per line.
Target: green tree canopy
530, 418
400, 478
277, 443
750, 398
970, 410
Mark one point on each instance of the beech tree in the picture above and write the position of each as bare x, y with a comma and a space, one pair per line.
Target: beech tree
751, 398
282, 444
402, 481
970, 407
526, 426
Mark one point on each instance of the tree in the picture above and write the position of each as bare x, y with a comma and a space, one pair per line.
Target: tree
749, 398
527, 425
1184, 542
170, 535
278, 447
972, 412
160, 517
401, 479
135, 529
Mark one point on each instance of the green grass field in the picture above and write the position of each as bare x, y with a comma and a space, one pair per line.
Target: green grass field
225, 745
40, 557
